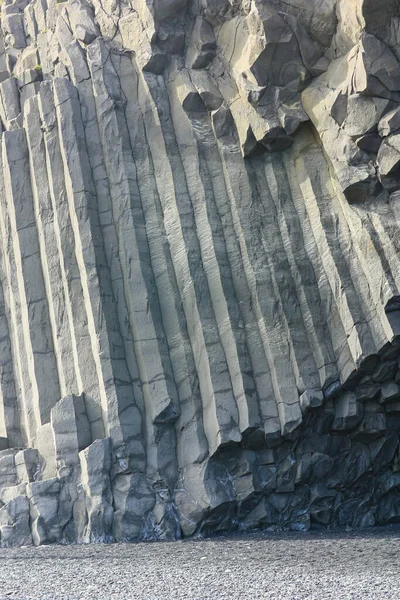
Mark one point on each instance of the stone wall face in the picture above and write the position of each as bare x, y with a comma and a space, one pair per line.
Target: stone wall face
199, 267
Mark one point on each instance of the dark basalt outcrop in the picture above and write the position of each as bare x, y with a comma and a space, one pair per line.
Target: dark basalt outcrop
199, 266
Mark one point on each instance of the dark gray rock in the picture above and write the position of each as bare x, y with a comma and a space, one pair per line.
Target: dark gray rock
14, 523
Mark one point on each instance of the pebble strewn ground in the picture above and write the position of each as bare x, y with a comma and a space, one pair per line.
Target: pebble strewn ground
346, 565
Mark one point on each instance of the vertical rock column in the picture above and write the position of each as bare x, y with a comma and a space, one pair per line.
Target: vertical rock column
49, 252
73, 304
220, 414
249, 233
151, 350
33, 321
93, 267
12, 310
10, 423
127, 439
149, 221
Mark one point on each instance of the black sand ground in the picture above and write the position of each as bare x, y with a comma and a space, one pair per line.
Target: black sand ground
342, 565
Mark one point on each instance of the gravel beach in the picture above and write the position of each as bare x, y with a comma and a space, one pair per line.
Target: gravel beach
341, 565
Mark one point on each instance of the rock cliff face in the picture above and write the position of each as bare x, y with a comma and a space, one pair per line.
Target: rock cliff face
199, 266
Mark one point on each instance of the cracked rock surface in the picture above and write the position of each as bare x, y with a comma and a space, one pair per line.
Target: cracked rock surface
199, 267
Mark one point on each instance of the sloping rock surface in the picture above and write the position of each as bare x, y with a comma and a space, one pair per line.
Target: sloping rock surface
199, 261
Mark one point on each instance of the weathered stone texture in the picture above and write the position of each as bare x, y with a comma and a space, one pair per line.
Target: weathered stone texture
199, 267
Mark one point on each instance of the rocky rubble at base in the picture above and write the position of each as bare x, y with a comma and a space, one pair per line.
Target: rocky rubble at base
199, 267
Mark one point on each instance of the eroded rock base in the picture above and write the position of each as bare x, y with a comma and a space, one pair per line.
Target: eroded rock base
340, 468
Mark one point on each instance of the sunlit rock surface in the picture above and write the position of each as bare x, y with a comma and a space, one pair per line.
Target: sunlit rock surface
199, 266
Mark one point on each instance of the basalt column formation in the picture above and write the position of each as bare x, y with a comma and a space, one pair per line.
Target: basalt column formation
199, 267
